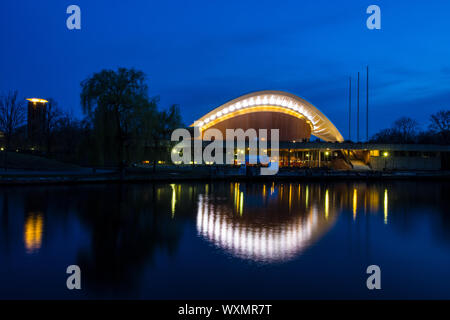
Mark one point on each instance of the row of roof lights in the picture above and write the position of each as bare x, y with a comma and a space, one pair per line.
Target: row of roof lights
256, 101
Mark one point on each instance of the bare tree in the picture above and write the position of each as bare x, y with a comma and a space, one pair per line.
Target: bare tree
52, 116
12, 116
440, 123
407, 128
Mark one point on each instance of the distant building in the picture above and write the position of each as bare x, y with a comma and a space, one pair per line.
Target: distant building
37, 110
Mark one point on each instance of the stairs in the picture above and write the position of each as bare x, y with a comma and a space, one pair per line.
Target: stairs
358, 165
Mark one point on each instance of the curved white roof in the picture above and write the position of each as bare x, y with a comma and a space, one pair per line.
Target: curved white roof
278, 101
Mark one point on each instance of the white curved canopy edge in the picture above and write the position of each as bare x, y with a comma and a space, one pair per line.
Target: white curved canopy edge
321, 126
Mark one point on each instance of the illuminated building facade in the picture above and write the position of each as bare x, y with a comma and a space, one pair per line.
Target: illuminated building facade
296, 118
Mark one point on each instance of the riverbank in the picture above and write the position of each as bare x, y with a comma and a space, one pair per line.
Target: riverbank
88, 175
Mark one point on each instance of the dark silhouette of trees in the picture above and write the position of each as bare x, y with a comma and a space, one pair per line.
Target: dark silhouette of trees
112, 100
440, 124
12, 116
121, 125
406, 130
53, 115
168, 120
124, 119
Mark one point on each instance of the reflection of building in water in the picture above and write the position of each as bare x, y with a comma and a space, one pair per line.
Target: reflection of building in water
369, 198
33, 230
268, 232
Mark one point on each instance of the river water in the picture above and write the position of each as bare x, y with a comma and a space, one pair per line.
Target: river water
226, 240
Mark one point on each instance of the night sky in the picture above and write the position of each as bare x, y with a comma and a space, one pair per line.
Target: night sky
199, 54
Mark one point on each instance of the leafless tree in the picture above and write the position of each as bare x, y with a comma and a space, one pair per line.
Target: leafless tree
440, 124
407, 128
12, 115
52, 116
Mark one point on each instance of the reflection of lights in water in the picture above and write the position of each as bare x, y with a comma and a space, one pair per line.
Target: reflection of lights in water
290, 196
327, 202
355, 202
273, 242
33, 231
385, 206
241, 203
174, 199
307, 196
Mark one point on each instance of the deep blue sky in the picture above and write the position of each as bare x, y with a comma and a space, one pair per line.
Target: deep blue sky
200, 54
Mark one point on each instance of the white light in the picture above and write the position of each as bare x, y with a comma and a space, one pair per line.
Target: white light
245, 103
272, 100
238, 106
218, 114
231, 108
206, 120
225, 111
213, 117
200, 124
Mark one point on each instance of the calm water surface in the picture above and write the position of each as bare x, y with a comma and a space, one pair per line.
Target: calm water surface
226, 240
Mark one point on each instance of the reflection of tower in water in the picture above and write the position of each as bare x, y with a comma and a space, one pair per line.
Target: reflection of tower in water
33, 230
276, 229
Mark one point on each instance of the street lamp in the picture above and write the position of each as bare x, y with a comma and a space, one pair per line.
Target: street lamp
385, 155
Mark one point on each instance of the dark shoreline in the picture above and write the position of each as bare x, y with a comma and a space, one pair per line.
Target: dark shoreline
63, 179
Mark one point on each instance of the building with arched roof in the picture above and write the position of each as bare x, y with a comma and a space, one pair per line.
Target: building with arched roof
296, 118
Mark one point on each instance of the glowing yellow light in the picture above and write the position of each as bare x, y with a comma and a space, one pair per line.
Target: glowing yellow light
241, 203
385, 206
327, 153
33, 230
307, 196
327, 203
355, 202
290, 196
2, 149
174, 199
263, 108
36, 100
236, 196
385, 154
